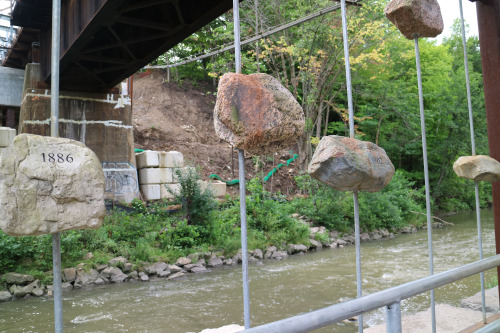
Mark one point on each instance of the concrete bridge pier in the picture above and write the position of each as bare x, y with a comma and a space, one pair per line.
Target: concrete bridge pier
101, 121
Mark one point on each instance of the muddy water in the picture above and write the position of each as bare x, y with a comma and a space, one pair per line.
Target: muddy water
278, 289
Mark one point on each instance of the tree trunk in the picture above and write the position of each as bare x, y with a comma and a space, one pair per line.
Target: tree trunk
320, 118
325, 132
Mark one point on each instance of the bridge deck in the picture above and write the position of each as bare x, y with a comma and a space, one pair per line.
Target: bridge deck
105, 41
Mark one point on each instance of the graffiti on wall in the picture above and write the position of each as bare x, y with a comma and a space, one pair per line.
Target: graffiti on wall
121, 181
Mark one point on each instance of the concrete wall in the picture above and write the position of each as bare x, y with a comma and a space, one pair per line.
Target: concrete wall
103, 122
11, 86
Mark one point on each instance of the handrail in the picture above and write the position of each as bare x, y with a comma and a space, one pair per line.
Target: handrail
332, 314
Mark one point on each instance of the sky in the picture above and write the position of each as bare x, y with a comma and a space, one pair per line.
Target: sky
450, 10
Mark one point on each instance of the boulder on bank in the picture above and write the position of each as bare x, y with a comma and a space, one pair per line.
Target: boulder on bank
351, 165
421, 17
16, 278
256, 113
49, 185
478, 167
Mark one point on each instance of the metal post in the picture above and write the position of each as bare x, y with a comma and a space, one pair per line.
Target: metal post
241, 160
426, 178
257, 49
393, 318
473, 145
54, 132
357, 231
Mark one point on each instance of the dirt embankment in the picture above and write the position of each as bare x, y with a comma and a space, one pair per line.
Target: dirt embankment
179, 116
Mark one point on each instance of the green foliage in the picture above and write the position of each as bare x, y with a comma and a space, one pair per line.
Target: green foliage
197, 204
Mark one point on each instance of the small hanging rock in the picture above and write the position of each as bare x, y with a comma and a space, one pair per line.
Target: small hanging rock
256, 113
351, 165
479, 167
421, 17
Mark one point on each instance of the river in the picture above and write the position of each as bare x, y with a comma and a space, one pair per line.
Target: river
278, 289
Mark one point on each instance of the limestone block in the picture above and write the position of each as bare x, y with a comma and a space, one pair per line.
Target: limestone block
49, 185
217, 188
166, 175
479, 167
7, 135
256, 113
171, 159
351, 165
422, 17
147, 159
149, 176
165, 194
151, 192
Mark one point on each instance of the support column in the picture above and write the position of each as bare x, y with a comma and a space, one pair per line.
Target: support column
10, 118
488, 15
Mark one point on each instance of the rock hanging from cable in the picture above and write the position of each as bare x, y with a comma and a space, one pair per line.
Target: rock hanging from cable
415, 17
49, 185
351, 165
256, 113
478, 167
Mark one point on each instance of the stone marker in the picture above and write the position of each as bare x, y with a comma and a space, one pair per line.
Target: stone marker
49, 185
422, 17
351, 165
256, 113
479, 167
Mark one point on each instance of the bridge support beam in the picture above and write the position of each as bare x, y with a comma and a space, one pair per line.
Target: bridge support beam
488, 15
103, 122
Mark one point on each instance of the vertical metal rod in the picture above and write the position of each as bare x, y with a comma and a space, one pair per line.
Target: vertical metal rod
357, 231
237, 43
241, 160
54, 132
257, 49
426, 178
473, 146
393, 318
244, 247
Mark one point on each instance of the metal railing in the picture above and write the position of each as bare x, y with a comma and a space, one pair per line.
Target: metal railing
390, 298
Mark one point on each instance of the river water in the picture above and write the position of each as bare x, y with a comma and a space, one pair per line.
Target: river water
278, 289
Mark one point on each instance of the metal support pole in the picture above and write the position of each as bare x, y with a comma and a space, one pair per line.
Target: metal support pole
357, 231
473, 146
393, 318
54, 132
241, 160
426, 178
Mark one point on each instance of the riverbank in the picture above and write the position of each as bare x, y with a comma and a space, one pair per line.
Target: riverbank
120, 270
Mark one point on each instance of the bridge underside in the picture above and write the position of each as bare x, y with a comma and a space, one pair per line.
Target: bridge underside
105, 41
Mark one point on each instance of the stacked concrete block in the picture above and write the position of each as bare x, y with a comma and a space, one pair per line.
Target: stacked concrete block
158, 170
6, 137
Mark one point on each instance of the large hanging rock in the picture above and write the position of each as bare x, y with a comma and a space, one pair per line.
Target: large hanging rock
479, 167
422, 17
256, 113
351, 165
49, 185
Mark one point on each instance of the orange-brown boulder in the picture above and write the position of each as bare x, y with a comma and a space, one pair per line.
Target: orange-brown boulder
415, 17
256, 113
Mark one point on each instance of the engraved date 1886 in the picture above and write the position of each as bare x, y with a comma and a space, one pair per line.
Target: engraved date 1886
57, 158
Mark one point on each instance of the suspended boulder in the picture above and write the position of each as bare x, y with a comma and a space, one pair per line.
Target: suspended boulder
256, 113
479, 167
420, 17
49, 185
351, 165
